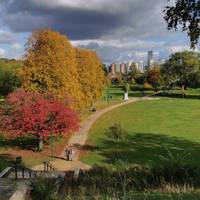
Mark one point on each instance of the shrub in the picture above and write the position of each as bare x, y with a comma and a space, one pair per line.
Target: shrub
44, 188
137, 87
147, 86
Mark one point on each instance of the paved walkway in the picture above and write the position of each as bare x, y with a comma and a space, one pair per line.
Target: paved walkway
79, 138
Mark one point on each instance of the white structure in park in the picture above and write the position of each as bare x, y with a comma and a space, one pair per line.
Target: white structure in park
125, 96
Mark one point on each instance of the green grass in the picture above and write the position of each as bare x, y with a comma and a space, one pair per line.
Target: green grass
152, 127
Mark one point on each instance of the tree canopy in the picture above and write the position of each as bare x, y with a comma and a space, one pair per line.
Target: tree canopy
53, 65
180, 67
185, 13
9, 81
27, 113
153, 77
91, 75
50, 66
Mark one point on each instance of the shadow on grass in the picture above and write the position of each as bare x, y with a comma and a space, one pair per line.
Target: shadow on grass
177, 95
24, 143
145, 149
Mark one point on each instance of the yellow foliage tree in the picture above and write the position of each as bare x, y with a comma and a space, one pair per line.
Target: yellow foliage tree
50, 66
91, 75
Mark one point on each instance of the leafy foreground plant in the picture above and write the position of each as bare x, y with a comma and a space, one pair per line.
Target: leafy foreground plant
116, 184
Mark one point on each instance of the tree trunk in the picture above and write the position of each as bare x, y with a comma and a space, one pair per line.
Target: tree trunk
40, 143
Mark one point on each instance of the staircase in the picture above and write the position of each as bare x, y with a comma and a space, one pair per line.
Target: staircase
7, 188
21, 173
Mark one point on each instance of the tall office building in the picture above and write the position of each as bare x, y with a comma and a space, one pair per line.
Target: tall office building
141, 66
150, 59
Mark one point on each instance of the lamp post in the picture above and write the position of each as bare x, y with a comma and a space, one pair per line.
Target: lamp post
52, 139
50, 120
108, 95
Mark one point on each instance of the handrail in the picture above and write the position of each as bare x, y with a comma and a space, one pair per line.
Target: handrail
31, 174
48, 167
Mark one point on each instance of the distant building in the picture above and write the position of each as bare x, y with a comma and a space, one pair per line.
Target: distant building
137, 65
150, 60
118, 68
123, 68
113, 69
141, 66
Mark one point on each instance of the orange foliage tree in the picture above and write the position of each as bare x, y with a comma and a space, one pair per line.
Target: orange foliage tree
50, 66
91, 75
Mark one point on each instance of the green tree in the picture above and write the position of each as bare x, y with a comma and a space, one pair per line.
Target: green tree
179, 67
133, 72
9, 80
185, 13
117, 135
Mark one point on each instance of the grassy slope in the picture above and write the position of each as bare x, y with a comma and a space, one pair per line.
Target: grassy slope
152, 127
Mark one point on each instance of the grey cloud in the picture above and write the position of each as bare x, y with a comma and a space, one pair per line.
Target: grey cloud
119, 30
6, 37
126, 18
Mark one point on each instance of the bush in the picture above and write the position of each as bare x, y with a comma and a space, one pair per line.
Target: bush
8, 81
136, 87
44, 188
147, 86
120, 183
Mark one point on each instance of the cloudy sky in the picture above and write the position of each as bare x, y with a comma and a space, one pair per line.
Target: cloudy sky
119, 30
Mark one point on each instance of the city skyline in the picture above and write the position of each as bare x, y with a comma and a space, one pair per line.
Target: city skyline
118, 30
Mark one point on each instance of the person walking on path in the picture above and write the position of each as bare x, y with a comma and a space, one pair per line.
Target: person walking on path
67, 153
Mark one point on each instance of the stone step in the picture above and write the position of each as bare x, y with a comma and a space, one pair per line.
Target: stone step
7, 188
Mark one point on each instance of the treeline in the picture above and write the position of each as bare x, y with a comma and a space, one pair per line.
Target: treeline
182, 70
52, 65
9, 80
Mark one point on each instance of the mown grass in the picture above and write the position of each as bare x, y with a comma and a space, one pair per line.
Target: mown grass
153, 128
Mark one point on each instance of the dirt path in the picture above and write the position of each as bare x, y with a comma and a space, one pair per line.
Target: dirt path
79, 138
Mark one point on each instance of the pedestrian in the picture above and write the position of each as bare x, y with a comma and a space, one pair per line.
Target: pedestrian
73, 154
67, 153
70, 154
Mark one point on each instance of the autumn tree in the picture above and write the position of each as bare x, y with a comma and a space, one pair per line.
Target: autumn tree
133, 72
50, 66
91, 75
153, 77
27, 113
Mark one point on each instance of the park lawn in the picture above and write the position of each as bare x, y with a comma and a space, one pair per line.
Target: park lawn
111, 96
153, 128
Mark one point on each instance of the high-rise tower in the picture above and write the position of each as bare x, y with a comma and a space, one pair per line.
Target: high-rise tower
150, 59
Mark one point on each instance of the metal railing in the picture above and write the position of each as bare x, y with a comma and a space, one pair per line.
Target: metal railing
48, 167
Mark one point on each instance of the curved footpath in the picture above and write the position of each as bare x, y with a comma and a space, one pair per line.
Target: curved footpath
79, 138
